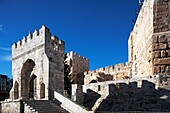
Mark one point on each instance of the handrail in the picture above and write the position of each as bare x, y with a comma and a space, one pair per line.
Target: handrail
70, 105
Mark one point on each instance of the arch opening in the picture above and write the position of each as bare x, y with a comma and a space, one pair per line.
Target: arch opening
27, 79
32, 86
16, 92
42, 91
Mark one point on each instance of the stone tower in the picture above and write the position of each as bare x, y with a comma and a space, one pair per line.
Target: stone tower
149, 41
37, 66
78, 64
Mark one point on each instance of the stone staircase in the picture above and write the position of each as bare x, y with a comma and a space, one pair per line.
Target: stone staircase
42, 106
98, 102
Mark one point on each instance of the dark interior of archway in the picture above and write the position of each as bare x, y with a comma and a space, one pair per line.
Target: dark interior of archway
93, 81
32, 88
16, 92
25, 77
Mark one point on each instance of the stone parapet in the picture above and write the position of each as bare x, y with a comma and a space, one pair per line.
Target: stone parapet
116, 72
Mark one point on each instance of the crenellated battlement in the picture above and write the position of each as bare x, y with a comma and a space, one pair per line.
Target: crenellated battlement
37, 39
73, 54
31, 37
115, 68
116, 72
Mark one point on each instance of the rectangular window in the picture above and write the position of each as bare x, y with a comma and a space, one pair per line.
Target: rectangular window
99, 88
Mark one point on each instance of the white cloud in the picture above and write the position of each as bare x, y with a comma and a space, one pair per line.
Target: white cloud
5, 48
6, 58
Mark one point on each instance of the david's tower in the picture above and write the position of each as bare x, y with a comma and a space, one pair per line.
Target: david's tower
149, 42
37, 66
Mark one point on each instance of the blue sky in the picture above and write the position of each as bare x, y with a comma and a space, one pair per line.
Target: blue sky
96, 29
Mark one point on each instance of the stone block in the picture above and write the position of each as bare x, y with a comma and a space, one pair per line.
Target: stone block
155, 39
162, 69
169, 45
155, 46
167, 70
168, 53
157, 54
162, 46
159, 61
168, 37
156, 69
162, 38
163, 53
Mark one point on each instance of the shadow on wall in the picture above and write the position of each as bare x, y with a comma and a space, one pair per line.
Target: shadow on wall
0, 107
90, 99
128, 97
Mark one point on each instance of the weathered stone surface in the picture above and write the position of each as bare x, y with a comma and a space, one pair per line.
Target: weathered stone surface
162, 61
157, 54
163, 53
162, 38
162, 46
78, 64
156, 69
37, 65
38, 68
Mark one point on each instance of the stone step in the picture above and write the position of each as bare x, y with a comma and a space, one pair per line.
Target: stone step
43, 106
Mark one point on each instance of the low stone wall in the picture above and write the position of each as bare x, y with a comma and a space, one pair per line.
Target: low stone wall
12, 106
69, 105
137, 94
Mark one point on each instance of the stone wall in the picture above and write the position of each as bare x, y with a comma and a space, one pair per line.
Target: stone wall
69, 105
160, 56
161, 16
136, 94
148, 42
37, 61
139, 40
78, 65
76, 94
116, 72
12, 107
54, 50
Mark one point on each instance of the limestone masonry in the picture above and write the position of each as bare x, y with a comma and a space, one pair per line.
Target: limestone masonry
140, 85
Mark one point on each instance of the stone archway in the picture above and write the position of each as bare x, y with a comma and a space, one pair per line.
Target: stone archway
32, 86
26, 73
42, 91
16, 92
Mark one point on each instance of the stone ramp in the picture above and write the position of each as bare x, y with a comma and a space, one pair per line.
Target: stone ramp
42, 106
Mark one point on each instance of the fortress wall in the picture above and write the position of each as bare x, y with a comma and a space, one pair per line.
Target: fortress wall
136, 94
116, 72
139, 40
149, 38
78, 64
160, 56
161, 16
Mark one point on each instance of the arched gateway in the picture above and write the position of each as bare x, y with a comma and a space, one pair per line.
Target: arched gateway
28, 79
37, 66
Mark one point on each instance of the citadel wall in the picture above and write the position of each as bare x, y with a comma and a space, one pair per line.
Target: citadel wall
140, 39
160, 55
136, 94
148, 42
148, 66
116, 72
78, 64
